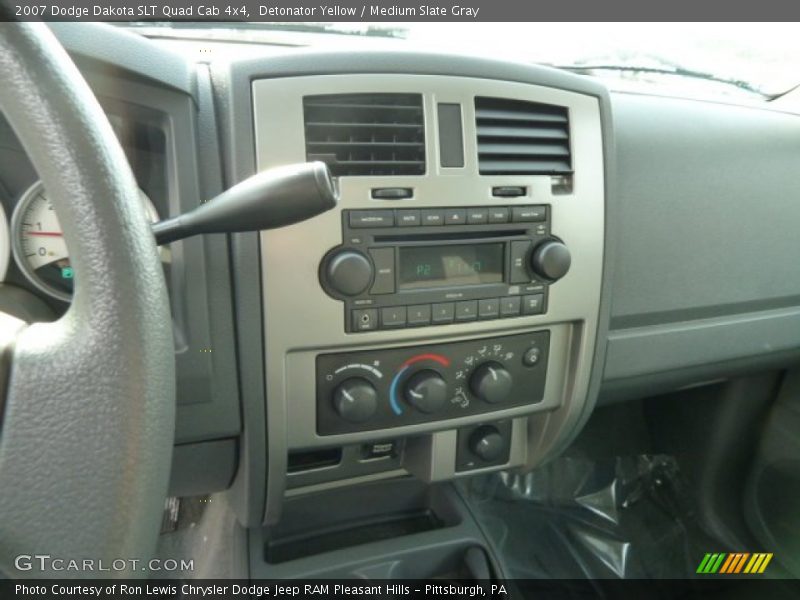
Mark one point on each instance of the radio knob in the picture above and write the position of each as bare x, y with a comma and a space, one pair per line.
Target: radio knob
355, 400
426, 391
551, 260
491, 382
348, 273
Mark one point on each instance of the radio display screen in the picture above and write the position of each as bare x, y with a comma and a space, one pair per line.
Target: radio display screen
439, 266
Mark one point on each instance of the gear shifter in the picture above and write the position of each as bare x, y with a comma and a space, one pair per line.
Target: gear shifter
267, 200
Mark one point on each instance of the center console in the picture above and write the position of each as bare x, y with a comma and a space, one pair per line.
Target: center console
441, 321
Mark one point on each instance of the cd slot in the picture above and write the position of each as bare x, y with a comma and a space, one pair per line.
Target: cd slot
464, 235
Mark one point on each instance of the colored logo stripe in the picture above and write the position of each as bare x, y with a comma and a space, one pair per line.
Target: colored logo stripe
711, 563
703, 564
734, 563
728, 561
758, 563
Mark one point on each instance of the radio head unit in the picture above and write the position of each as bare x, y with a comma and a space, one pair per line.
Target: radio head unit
416, 267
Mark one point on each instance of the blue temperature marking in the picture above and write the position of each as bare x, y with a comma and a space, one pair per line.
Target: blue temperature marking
396, 408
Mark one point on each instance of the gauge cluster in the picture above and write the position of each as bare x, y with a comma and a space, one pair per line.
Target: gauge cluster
38, 242
33, 252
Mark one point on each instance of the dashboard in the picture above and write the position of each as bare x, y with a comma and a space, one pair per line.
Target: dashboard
513, 245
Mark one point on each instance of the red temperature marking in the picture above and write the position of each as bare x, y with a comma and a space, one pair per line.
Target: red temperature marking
442, 360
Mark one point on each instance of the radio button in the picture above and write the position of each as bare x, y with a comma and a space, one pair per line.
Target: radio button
432, 217
443, 313
392, 193
419, 314
489, 308
455, 216
533, 288
467, 310
498, 215
508, 191
383, 261
519, 262
365, 319
408, 218
360, 219
477, 216
393, 317
528, 214
533, 304
510, 306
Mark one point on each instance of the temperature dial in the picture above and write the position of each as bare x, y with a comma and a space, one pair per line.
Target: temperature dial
491, 382
355, 400
426, 391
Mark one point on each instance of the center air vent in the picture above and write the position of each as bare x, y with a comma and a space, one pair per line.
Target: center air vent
366, 134
522, 138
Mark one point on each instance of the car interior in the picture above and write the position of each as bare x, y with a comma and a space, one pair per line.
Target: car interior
286, 303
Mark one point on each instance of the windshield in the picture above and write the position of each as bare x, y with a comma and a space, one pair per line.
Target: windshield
725, 58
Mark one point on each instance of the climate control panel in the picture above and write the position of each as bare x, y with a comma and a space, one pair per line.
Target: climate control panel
380, 389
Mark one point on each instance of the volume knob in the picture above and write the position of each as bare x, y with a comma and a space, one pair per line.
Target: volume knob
551, 260
348, 273
491, 382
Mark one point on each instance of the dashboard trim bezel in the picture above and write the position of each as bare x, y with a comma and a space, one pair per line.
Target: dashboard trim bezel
578, 217
232, 88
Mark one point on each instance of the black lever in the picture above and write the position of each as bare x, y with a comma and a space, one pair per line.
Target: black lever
267, 200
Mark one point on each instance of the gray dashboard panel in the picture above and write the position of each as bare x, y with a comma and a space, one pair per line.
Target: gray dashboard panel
128, 54
199, 276
707, 244
140, 77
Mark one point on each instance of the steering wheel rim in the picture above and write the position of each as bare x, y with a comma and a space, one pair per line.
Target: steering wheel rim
88, 422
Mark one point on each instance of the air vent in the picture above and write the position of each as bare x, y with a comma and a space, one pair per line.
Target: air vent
522, 138
366, 134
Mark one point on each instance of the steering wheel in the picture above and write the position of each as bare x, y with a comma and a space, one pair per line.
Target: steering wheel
87, 403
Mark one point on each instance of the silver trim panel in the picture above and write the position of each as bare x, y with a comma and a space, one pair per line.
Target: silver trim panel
301, 321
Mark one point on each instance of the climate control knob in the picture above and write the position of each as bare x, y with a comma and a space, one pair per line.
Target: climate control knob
348, 273
551, 260
487, 443
426, 391
491, 382
355, 400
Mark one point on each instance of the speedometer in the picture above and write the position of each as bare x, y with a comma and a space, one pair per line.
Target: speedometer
39, 246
